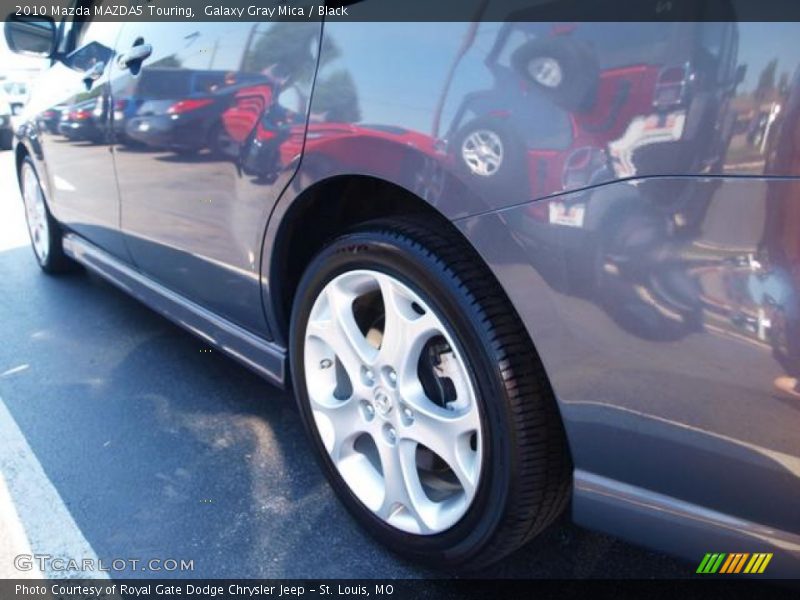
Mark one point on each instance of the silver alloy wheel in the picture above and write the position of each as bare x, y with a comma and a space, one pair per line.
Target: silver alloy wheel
393, 401
35, 213
482, 151
546, 71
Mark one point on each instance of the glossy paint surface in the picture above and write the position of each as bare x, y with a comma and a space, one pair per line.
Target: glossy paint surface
192, 144
635, 187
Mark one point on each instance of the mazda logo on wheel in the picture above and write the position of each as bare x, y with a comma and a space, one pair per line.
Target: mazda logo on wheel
383, 402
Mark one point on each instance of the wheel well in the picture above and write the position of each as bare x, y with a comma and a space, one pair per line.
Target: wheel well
325, 211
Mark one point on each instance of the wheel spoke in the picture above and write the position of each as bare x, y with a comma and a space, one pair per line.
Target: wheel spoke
336, 327
447, 434
405, 331
403, 497
340, 422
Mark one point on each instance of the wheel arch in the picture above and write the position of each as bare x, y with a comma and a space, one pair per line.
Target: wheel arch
311, 218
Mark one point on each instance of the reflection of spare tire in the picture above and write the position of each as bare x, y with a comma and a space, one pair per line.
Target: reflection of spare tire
562, 69
490, 155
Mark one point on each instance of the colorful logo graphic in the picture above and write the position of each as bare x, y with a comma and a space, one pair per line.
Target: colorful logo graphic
741, 562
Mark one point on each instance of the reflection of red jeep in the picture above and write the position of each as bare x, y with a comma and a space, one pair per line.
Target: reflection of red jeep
576, 113
372, 147
273, 138
248, 105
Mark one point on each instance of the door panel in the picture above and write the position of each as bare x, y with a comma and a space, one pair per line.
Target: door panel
71, 107
198, 124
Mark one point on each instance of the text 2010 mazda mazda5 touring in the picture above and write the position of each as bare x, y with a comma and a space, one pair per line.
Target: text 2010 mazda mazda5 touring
507, 267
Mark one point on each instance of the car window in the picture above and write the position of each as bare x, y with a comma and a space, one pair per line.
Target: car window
160, 84
205, 83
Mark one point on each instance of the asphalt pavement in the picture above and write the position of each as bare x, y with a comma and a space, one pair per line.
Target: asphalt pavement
127, 438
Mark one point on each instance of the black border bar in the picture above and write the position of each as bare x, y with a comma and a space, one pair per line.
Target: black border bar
392, 589
410, 10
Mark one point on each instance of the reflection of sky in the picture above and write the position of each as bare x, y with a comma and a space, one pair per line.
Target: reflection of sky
761, 42
425, 53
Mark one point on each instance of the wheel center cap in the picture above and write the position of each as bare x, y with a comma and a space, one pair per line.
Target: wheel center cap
383, 401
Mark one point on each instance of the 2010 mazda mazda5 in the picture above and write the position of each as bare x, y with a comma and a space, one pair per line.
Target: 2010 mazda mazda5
505, 266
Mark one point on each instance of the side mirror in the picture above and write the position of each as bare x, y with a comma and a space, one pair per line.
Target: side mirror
88, 56
32, 36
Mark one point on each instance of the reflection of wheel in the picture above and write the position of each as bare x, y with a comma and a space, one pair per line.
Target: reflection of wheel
423, 396
482, 152
44, 230
490, 155
563, 69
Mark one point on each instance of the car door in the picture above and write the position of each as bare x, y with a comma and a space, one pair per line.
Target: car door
206, 121
71, 109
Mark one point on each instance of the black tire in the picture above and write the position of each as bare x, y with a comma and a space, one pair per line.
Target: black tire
56, 261
526, 474
580, 72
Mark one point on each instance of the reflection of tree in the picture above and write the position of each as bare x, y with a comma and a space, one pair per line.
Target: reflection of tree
766, 80
783, 84
335, 96
289, 55
289, 48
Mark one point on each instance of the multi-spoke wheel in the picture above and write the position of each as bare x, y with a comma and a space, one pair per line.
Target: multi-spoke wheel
491, 157
482, 152
393, 401
424, 396
44, 231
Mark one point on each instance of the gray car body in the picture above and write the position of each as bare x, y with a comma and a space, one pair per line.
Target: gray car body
646, 225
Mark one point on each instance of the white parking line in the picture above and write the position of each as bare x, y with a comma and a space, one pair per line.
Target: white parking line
33, 517
15, 542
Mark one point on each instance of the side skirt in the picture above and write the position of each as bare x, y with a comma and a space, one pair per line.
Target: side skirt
265, 358
680, 528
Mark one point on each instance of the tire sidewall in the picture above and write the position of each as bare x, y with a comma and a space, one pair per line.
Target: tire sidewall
28, 163
394, 255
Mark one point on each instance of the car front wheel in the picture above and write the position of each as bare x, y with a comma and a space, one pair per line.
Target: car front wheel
424, 397
45, 232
